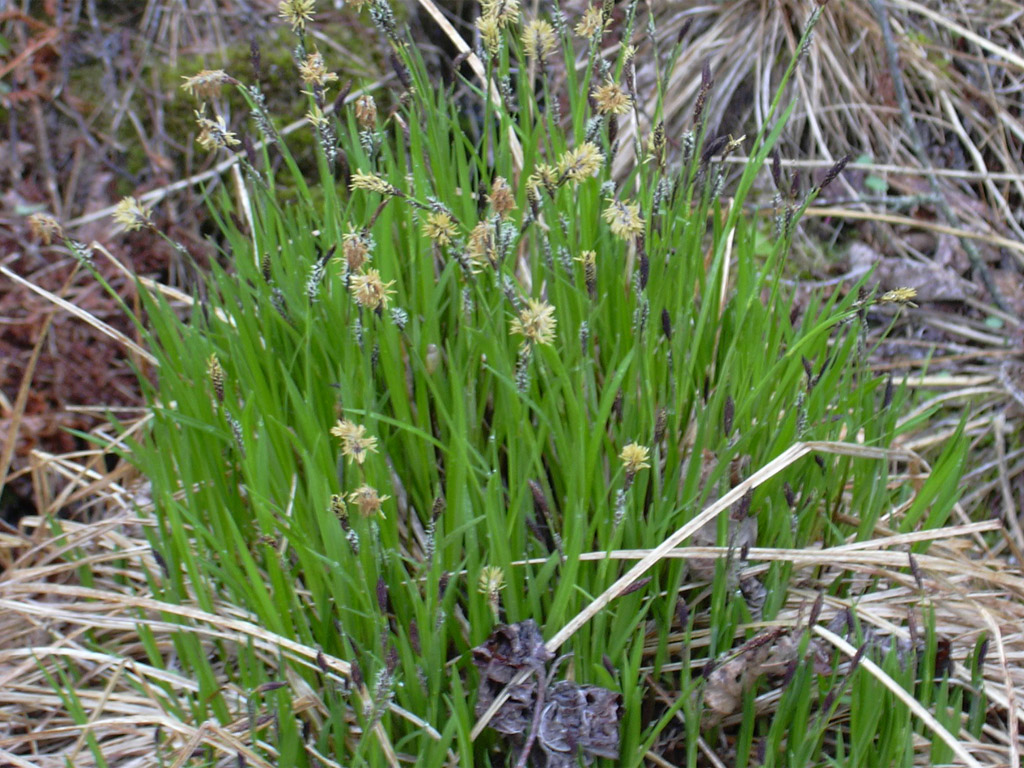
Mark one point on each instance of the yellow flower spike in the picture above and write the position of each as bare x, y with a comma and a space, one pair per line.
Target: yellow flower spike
635, 457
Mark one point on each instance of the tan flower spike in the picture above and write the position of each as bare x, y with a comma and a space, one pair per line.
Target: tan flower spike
367, 501
591, 22
635, 457
539, 40
505, 12
623, 219
296, 13
610, 99
439, 228
313, 71
501, 197
206, 83
536, 323
214, 134
369, 182
44, 227
903, 296
131, 215
356, 247
582, 162
370, 291
490, 33
356, 445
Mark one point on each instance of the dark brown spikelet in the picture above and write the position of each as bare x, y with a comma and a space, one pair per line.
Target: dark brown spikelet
728, 411
833, 172
684, 29
702, 95
401, 71
342, 97
712, 148
617, 406
250, 151
915, 569
819, 603
414, 637
777, 170
645, 263
636, 586
272, 685
161, 562
540, 502
979, 659
255, 60
321, 661
382, 594
887, 397
666, 324
613, 129
357, 674
660, 424
606, 662
743, 506
682, 613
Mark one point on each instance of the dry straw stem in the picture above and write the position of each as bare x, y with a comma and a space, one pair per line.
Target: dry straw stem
909, 701
81, 314
787, 458
31, 592
478, 69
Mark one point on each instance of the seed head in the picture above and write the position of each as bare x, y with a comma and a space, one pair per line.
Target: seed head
481, 247
903, 296
356, 445
296, 13
313, 71
623, 219
356, 247
370, 291
579, 163
206, 84
337, 507
366, 112
589, 261
635, 457
490, 33
501, 197
45, 227
505, 12
367, 501
543, 175
214, 134
591, 23
492, 580
536, 322
539, 39
370, 182
131, 215
439, 227
610, 99
216, 373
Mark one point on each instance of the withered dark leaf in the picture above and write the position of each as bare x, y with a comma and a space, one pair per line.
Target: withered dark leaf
579, 717
576, 721
510, 649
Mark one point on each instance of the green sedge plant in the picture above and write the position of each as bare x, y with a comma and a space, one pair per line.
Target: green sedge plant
440, 383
